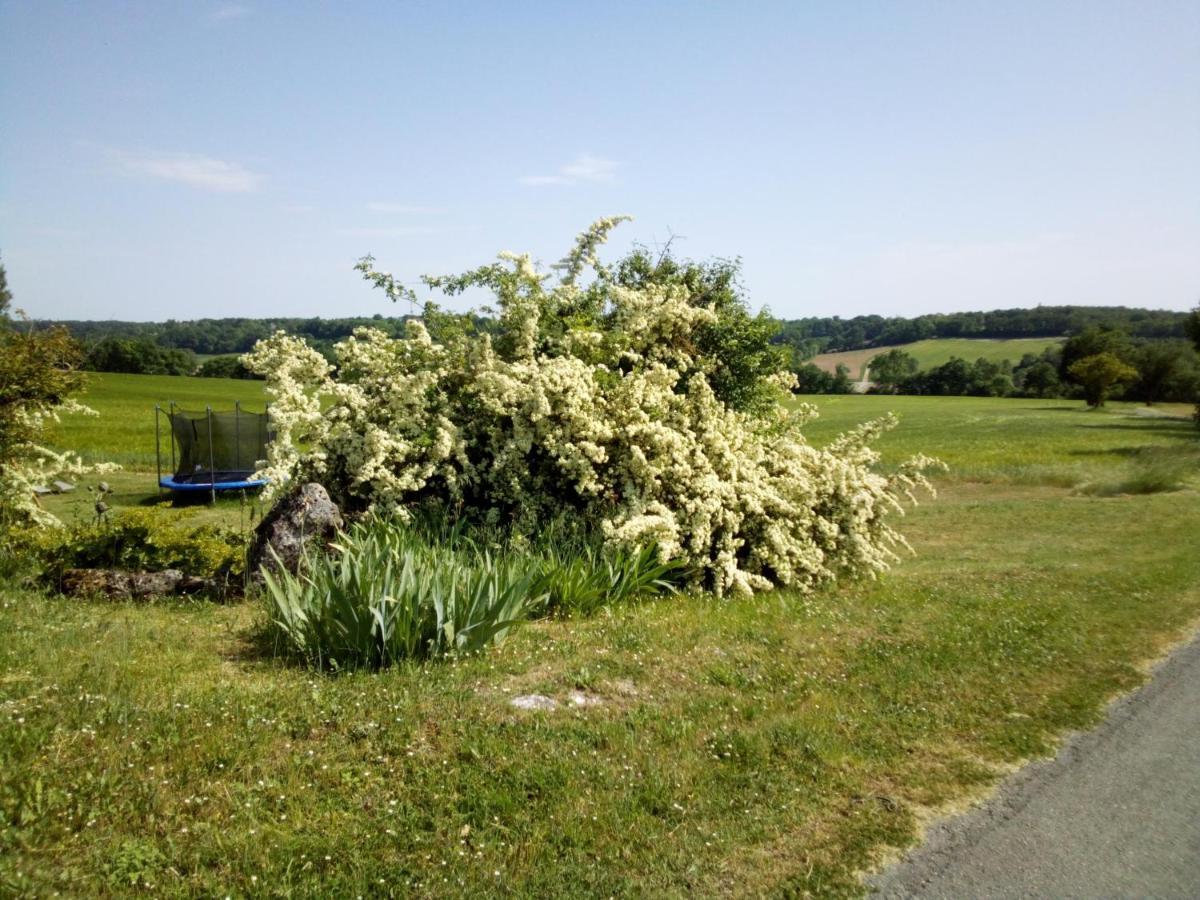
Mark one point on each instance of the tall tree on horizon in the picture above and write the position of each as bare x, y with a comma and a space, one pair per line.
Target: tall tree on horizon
5, 293
1193, 329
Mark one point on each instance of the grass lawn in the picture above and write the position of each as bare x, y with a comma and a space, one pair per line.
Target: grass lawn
1046, 442
937, 351
778, 745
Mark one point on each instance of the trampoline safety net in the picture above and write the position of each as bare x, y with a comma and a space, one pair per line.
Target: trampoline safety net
217, 447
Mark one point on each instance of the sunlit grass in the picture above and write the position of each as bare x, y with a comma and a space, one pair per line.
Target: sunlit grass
1052, 442
742, 747
738, 747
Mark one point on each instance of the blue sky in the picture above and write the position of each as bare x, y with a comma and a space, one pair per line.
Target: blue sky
215, 159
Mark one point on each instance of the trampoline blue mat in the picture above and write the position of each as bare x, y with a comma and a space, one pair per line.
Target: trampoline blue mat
172, 484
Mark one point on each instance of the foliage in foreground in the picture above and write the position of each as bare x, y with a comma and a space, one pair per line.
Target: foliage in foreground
39, 371
634, 404
143, 540
390, 591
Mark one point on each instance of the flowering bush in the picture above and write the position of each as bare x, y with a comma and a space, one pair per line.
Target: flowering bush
38, 372
609, 401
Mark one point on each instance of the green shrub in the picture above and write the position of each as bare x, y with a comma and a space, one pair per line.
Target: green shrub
18, 553
391, 590
584, 580
1153, 470
384, 594
38, 376
150, 539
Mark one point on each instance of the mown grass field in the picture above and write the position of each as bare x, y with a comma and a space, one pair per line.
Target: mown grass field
778, 745
933, 353
1022, 441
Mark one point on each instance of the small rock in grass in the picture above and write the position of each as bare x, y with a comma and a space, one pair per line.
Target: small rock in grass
534, 701
143, 585
154, 584
109, 582
579, 698
62, 487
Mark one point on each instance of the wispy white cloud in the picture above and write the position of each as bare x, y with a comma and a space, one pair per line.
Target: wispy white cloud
381, 206
227, 12
201, 172
298, 208
584, 168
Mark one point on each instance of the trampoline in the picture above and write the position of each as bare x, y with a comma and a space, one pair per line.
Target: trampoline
212, 451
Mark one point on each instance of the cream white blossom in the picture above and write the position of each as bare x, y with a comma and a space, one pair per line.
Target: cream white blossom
610, 418
34, 465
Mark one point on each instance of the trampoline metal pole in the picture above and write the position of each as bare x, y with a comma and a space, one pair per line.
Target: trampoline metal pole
171, 419
212, 475
158, 449
237, 435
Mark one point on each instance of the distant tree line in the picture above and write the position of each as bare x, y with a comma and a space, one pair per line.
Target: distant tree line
141, 356
1193, 330
1095, 365
172, 347
211, 337
138, 356
808, 337
1151, 342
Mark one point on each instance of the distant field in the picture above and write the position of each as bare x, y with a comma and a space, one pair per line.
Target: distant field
124, 432
935, 352
1020, 441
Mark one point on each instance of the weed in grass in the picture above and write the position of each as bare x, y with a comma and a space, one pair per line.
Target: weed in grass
1151, 471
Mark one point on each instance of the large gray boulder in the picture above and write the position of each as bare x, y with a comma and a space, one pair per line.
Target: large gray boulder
305, 518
